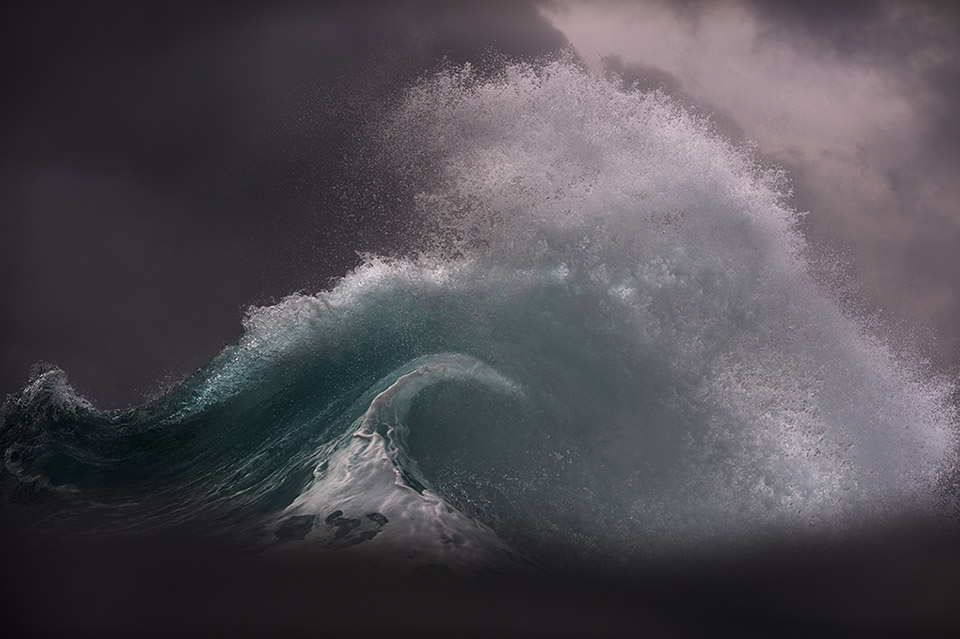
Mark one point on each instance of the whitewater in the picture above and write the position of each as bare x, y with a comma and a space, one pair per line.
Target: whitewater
607, 341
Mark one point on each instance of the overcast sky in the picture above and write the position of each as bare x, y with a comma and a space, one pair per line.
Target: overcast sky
163, 166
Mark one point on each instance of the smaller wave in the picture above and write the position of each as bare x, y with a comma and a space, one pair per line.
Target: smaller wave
367, 487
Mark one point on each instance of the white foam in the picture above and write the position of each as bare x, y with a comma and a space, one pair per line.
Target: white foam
361, 480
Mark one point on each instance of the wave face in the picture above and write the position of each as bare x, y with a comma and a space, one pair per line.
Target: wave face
608, 345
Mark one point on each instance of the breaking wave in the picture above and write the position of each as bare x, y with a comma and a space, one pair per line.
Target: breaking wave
605, 343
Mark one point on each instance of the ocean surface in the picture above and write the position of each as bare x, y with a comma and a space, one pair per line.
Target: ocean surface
608, 343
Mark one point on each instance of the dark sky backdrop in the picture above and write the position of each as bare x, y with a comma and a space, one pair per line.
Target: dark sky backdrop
165, 165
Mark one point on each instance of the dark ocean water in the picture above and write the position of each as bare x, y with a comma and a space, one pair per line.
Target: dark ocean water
610, 348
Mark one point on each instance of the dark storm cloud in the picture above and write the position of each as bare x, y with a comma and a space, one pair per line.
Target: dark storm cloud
165, 165
872, 28
943, 131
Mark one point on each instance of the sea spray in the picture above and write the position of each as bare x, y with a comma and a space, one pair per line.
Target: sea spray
738, 393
